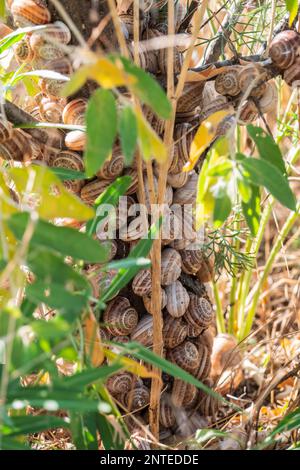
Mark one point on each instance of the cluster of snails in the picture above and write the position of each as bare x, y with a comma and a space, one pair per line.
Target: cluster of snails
285, 54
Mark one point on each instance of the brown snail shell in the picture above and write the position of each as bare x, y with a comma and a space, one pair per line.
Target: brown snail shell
268, 101
16, 148
177, 180
23, 51
92, 190
120, 318
205, 362
189, 104
136, 229
74, 112
206, 339
225, 353
147, 301
178, 299
134, 180
199, 312
183, 394
248, 112
183, 138
194, 331
170, 266
206, 271
207, 404
29, 12
185, 356
187, 194
174, 332
119, 383
167, 417
284, 48
227, 83
137, 398
51, 111
191, 260
6, 130
142, 284
168, 193
292, 74
143, 333
155, 122
113, 167
100, 280
163, 60
251, 79
71, 160
212, 101
76, 140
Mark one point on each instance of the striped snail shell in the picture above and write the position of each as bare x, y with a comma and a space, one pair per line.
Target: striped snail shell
100, 280
183, 394
76, 140
205, 362
292, 74
29, 12
137, 398
69, 160
206, 339
134, 180
187, 194
6, 130
207, 404
268, 101
51, 111
92, 190
53, 87
112, 167
252, 79
191, 259
119, 383
170, 266
143, 333
120, 318
57, 32
212, 101
74, 112
142, 284
23, 51
183, 138
194, 330
167, 417
16, 148
248, 112
136, 229
185, 356
163, 60
206, 270
284, 48
147, 301
189, 104
227, 83
168, 193
174, 332
155, 122
199, 312
177, 180
178, 299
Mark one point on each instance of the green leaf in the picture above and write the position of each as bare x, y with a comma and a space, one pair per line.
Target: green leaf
148, 90
220, 169
292, 8
101, 120
125, 275
66, 174
128, 133
65, 240
252, 210
141, 263
267, 147
221, 210
16, 36
262, 173
110, 438
22, 425
244, 188
82, 379
10, 443
2, 9
111, 197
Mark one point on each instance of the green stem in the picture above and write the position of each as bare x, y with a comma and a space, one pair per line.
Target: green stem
268, 266
219, 313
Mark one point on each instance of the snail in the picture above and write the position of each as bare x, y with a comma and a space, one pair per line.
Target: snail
16, 147
199, 312
284, 49
143, 332
177, 299
227, 83
74, 112
29, 12
292, 74
170, 266
186, 356
141, 284
71, 160
174, 331
268, 100
119, 317
76, 140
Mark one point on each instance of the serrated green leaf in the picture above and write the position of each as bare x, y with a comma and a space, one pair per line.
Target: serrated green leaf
128, 133
101, 121
262, 173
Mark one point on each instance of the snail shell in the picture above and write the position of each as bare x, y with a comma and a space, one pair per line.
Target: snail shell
100, 280
251, 78
69, 160
292, 74
170, 266
268, 101
206, 339
205, 362
163, 60
183, 138
76, 140
147, 301
92, 190
112, 167
178, 299
137, 398
248, 112
227, 83
16, 148
199, 312
155, 122
23, 51
167, 416
194, 331
143, 333
6, 130
119, 383
134, 180
177, 180
51, 111
185, 356
187, 194
142, 284
225, 353
53, 87
183, 394
74, 112
191, 260
29, 12
53, 35
212, 101
284, 48
120, 318
136, 229
188, 106
104, 334
208, 405
168, 193
174, 332
206, 270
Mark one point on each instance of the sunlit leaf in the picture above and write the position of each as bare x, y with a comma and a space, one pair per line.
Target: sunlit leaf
101, 119
93, 345
150, 144
252, 210
222, 209
292, 8
130, 365
110, 74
